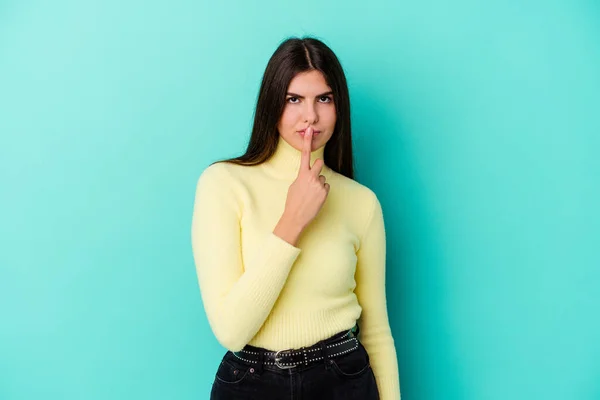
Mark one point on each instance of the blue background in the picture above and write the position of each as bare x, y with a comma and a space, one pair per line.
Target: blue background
476, 123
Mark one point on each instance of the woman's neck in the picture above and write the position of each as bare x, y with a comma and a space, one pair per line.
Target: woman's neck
285, 162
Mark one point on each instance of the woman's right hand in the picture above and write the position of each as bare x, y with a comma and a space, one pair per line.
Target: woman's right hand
307, 194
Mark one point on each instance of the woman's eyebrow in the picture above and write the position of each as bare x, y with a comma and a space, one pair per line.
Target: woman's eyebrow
301, 97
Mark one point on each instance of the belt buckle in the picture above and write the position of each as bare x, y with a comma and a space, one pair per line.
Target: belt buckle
280, 365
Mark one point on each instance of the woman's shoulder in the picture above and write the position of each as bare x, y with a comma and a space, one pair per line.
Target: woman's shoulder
222, 170
219, 175
354, 189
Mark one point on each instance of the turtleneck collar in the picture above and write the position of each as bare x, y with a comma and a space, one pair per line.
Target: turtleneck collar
285, 162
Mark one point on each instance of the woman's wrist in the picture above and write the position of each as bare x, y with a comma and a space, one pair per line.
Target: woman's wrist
288, 230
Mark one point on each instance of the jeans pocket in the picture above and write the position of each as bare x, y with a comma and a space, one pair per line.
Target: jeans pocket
352, 365
231, 372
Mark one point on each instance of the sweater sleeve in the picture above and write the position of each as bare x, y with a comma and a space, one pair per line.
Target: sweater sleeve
237, 294
375, 332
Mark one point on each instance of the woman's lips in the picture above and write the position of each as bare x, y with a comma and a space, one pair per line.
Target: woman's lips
315, 133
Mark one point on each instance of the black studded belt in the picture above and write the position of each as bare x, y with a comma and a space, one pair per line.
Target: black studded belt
285, 359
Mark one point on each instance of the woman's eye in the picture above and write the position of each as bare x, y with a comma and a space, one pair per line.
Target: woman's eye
324, 99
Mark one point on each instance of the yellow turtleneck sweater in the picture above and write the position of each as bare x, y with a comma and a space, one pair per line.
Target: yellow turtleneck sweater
260, 290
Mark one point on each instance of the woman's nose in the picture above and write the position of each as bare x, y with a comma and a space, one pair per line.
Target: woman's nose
310, 114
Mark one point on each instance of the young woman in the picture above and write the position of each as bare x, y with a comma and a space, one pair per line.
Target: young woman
290, 250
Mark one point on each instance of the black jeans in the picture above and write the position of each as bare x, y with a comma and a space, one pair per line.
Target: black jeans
346, 377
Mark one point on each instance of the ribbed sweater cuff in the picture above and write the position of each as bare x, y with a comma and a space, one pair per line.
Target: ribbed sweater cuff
276, 259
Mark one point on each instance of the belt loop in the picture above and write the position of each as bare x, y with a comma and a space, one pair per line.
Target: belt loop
324, 354
261, 360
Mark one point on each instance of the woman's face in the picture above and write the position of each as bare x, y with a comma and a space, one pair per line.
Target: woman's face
309, 102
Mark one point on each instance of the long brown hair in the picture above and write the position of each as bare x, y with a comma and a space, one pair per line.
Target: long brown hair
295, 55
